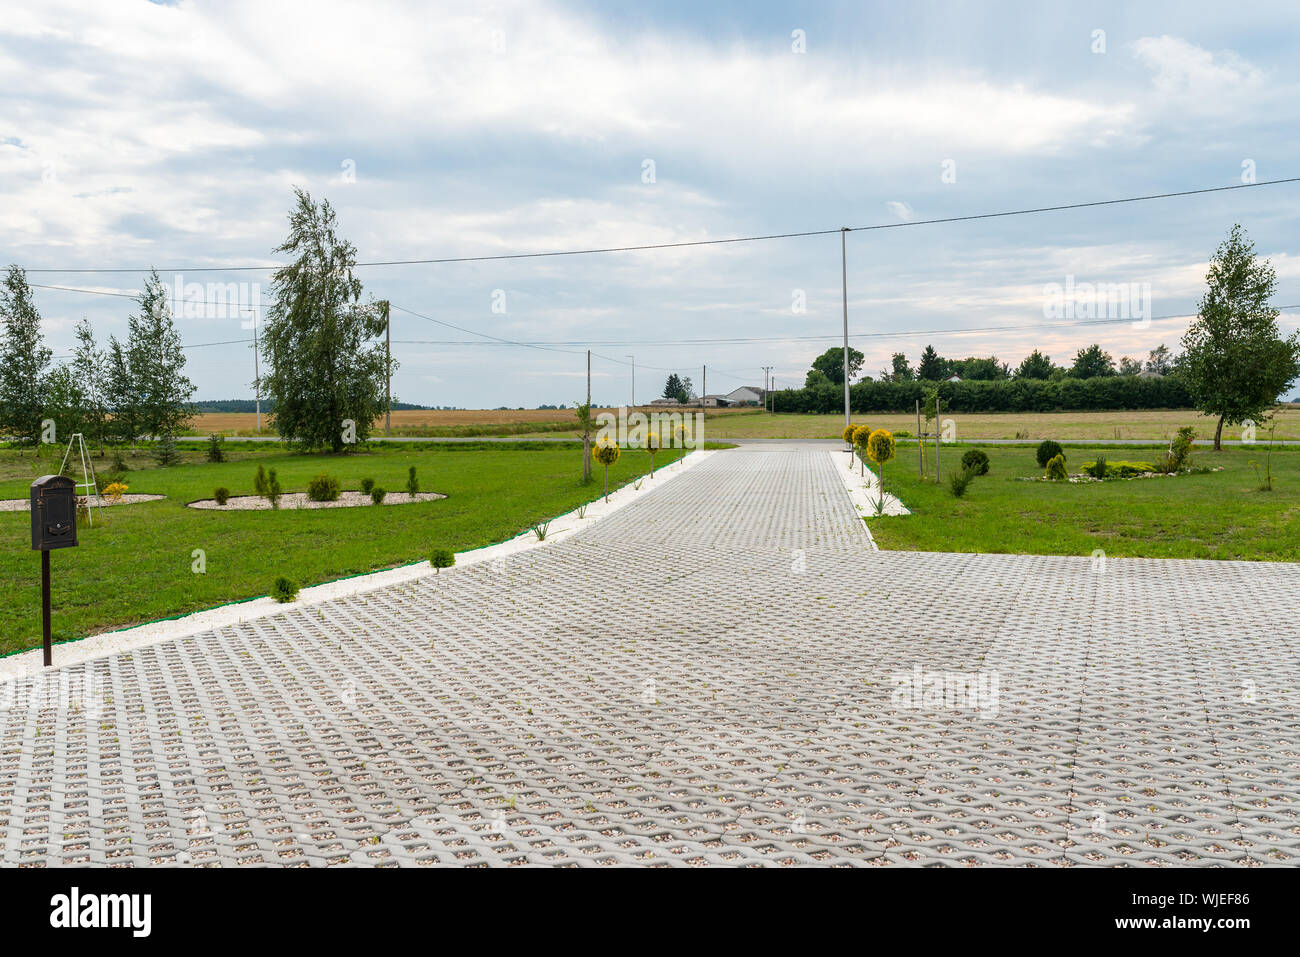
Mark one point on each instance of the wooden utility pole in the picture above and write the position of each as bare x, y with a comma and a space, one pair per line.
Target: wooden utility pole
388, 371
920, 443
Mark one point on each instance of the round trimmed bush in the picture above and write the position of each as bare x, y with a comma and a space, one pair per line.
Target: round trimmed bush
377, 495
442, 558
975, 462
221, 495
323, 488
847, 434
881, 446
284, 589
1056, 468
1048, 449
367, 484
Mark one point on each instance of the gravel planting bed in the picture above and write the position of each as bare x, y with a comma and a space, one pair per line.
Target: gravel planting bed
24, 504
290, 500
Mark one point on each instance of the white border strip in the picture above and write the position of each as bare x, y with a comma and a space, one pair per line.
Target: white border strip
561, 528
863, 489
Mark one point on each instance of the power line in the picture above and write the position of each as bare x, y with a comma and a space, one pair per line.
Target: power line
709, 242
745, 340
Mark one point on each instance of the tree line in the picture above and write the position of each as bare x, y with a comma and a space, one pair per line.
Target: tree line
1234, 364
111, 395
1089, 362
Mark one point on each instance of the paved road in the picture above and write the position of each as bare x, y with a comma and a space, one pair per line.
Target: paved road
708, 676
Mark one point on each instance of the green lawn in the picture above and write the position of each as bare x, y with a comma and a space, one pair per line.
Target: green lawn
1212, 515
135, 566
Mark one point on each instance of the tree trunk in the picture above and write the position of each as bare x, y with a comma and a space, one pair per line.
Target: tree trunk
586, 457
606, 484
1218, 434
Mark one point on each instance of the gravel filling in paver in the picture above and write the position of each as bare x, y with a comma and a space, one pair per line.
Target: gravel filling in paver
246, 503
129, 498
721, 672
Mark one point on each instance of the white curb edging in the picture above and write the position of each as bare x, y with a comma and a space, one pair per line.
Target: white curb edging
863, 489
114, 642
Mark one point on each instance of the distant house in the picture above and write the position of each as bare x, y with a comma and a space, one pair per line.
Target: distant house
716, 401
664, 402
1148, 374
745, 395
953, 378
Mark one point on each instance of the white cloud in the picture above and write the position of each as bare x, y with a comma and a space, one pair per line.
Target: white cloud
1196, 77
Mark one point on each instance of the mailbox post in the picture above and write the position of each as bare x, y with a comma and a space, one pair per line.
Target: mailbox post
54, 525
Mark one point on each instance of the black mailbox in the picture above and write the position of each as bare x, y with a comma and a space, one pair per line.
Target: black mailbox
54, 513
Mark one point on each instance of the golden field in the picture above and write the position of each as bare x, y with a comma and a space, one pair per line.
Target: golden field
753, 423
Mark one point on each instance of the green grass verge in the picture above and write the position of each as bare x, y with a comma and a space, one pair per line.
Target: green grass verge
135, 565
1220, 514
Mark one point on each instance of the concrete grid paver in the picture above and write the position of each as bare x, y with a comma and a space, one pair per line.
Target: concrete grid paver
705, 677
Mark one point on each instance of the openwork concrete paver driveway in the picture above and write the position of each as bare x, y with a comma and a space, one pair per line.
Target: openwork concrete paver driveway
720, 673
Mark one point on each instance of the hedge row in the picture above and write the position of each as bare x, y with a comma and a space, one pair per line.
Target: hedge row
1004, 395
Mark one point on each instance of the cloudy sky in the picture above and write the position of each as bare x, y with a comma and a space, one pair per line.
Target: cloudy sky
135, 134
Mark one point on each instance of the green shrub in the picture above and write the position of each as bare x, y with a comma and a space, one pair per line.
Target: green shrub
1117, 469
377, 495
221, 495
215, 451
442, 558
284, 589
1056, 468
1180, 448
273, 490
119, 463
367, 484
976, 461
323, 488
1048, 449
412, 483
165, 453
259, 482
958, 482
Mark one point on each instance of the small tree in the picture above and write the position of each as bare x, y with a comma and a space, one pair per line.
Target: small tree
881, 448
1234, 361
273, 490
606, 453
120, 394
1035, 366
587, 423
1160, 360
932, 367
23, 359
831, 364
652, 446
847, 435
412, 483
326, 361
156, 360
1092, 362
90, 365
64, 402
861, 435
